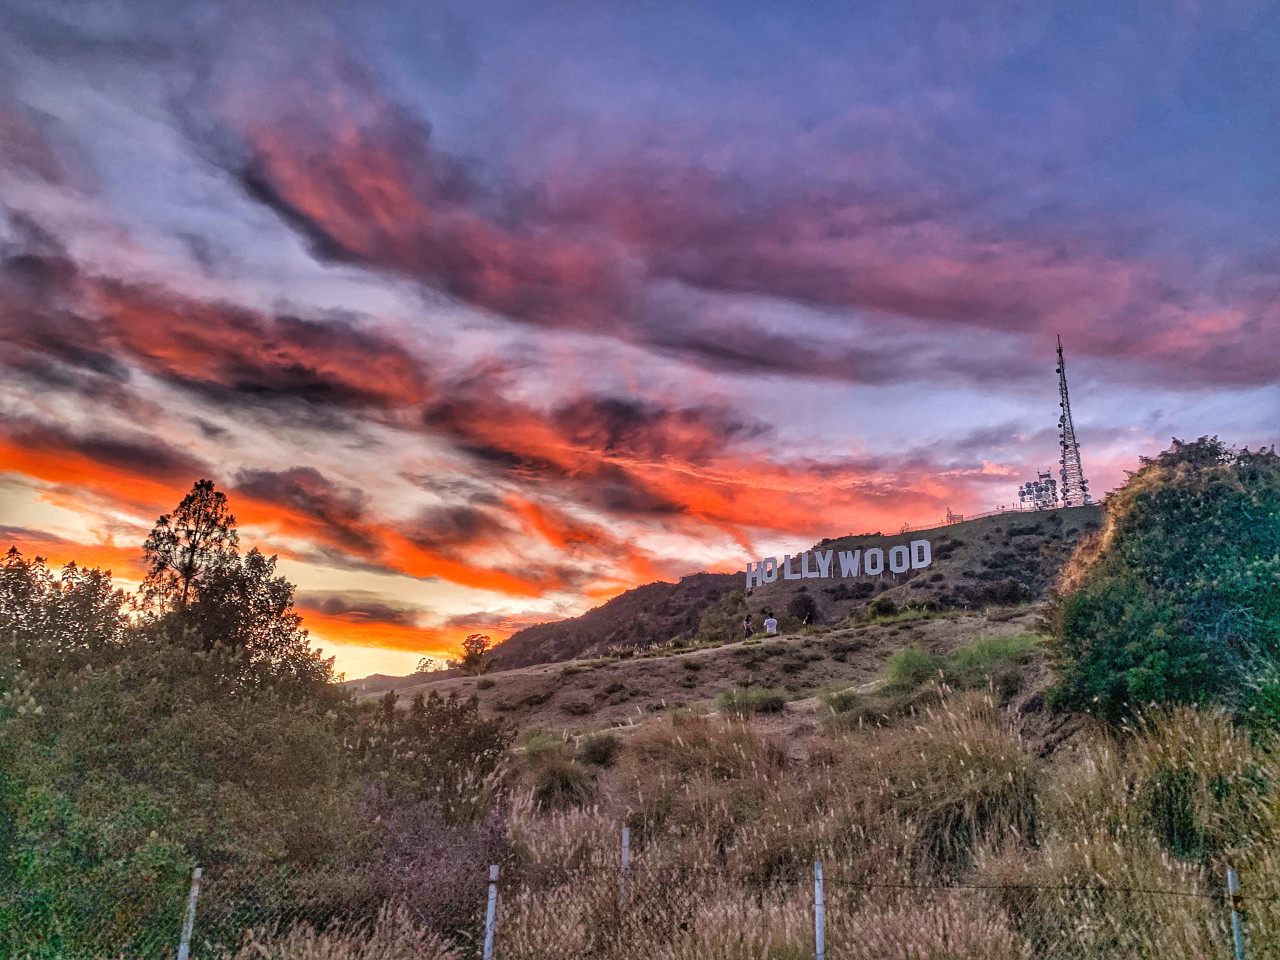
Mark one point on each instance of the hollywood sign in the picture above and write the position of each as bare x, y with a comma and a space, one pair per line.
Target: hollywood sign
853, 563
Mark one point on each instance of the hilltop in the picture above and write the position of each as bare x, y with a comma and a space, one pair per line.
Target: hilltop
653, 613
999, 560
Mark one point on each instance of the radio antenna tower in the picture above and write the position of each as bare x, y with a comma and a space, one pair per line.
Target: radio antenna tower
1075, 488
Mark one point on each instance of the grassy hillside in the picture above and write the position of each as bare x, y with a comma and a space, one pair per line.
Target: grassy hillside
993, 561
587, 694
956, 817
1009, 558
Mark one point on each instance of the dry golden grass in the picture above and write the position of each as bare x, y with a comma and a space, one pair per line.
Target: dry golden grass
942, 836
395, 936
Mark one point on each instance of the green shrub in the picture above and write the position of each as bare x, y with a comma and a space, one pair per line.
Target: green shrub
600, 749
882, 607
803, 607
1261, 698
722, 620
485, 683
994, 660
535, 740
1176, 599
559, 783
911, 667
747, 700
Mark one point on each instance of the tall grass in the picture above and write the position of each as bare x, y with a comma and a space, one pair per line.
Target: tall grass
726, 826
394, 936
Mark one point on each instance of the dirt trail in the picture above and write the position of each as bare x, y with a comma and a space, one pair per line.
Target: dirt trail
578, 696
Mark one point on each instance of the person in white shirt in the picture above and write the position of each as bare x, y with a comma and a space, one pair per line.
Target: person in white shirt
770, 624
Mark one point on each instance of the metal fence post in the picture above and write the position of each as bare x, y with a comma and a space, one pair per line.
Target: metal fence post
189, 920
819, 918
491, 915
626, 860
1237, 932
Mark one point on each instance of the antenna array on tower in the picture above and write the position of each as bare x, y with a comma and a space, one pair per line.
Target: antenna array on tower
1075, 488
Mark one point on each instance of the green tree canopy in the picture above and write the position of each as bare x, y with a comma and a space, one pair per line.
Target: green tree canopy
1177, 598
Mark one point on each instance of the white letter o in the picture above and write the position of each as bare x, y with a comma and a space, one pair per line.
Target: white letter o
873, 562
899, 559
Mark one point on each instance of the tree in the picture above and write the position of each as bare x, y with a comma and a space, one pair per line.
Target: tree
721, 621
803, 607
1177, 598
64, 618
475, 657
429, 665
244, 608
186, 544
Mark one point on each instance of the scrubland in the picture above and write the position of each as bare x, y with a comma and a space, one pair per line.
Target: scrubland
952, 815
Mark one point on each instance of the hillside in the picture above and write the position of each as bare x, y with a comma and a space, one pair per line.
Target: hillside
994, 561
1009, 558
653, 613
588, 694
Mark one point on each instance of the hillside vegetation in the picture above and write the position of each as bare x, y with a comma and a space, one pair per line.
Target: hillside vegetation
994, 561
1177, 598
938, 763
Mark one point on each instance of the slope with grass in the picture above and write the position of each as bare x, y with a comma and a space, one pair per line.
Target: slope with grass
945, 830
1001, 560
1006, 559
588, 694
653, 613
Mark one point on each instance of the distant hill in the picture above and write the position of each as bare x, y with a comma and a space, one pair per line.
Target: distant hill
999, 560
655, 612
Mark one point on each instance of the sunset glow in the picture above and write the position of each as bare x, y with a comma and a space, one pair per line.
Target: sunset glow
483, 314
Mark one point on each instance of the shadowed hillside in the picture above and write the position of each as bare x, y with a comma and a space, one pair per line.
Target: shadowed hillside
653, 613
1001, 560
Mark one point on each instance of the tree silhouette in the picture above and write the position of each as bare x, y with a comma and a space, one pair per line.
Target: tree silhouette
475, 657
186, 544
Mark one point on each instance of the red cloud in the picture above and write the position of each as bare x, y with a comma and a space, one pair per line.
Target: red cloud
365, 184
218, 345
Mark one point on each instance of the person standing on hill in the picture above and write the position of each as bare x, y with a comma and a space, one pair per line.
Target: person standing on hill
747, 629
770, 623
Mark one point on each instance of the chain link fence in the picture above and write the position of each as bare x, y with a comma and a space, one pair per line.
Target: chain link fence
668, 912
628, 907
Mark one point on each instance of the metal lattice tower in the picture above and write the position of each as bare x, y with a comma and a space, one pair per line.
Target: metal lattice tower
1075, 488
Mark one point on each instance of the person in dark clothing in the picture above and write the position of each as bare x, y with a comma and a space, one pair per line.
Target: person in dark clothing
747, 629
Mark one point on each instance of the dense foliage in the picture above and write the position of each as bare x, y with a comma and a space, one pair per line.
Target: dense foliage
202, 729
1177, 598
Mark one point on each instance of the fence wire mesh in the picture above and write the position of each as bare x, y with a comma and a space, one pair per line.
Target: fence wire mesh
663, 910
668, 912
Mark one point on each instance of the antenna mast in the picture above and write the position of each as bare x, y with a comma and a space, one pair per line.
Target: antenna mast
1075, 488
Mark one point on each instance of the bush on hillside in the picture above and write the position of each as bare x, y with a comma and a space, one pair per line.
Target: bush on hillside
722, 621
803, 607
559, 782
882, 607
742, 701
600, 749
1177, 598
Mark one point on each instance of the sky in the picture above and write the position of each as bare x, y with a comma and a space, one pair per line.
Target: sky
482, 313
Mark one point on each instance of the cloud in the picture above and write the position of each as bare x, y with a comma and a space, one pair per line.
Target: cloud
358, 607
132, 469
124, 562
365, 183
